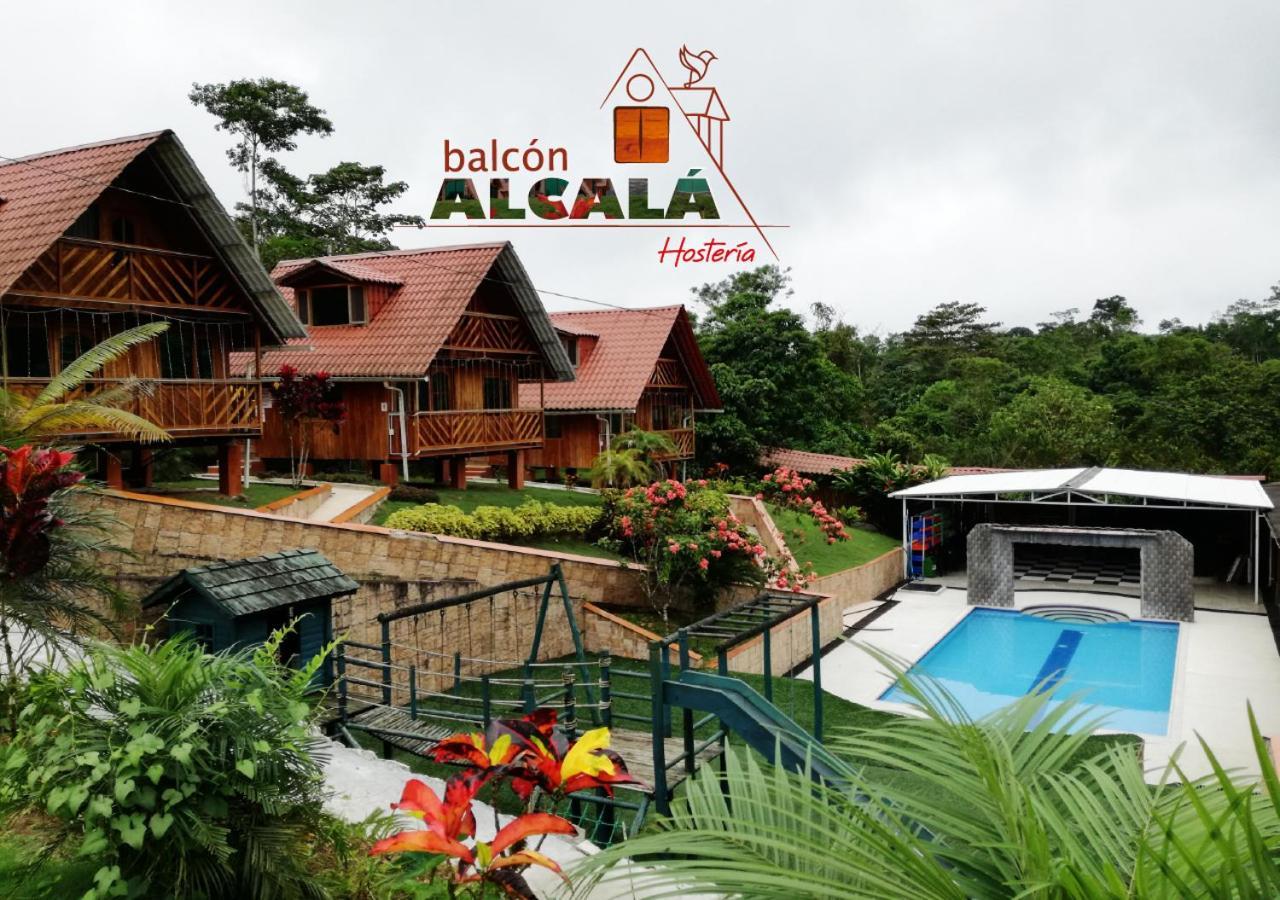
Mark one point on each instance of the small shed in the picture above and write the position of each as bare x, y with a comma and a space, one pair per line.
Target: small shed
239, 603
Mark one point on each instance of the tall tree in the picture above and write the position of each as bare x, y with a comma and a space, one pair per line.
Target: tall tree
267, 115
333, 212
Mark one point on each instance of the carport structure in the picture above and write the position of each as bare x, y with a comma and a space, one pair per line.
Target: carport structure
1144, 493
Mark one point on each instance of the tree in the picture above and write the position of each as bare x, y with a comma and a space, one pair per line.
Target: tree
1018, 804
64, 406
1054, 423
332, 212
303, 402
777, 386
1114, 314
267, 115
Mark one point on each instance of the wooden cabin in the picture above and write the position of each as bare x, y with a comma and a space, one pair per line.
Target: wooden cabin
103, 237
633, 368
428, 349
236, 604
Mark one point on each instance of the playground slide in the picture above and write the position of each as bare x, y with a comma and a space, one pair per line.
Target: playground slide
756, 721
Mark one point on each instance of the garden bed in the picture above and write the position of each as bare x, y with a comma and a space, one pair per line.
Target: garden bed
492, 495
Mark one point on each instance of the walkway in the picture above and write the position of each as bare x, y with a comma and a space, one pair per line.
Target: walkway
341, 498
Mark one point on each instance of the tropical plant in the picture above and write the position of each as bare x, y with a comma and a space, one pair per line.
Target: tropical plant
624, 467
303, 402
53, 592
946, 807
650, 444
66, 406
187, 774
544, 768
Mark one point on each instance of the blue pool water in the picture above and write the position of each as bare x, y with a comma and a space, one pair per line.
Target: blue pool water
1124, 669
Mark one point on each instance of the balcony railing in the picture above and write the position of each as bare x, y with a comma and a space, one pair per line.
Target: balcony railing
683, 439
474, 430
100, 270
182, 407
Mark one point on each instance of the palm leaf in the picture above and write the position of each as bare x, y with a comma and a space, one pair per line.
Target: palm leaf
93, 359
88, 417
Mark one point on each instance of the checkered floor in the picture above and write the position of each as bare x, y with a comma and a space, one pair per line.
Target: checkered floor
1076, 565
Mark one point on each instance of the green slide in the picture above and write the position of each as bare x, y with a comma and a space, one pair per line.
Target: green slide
757, 722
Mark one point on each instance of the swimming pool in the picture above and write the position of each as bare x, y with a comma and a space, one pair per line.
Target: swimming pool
993, 656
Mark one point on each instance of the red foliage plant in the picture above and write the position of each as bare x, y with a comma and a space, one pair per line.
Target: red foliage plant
29, 477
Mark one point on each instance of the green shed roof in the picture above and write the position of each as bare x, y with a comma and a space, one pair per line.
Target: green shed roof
246, 586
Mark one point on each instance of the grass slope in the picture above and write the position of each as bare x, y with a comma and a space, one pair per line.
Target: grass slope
808, 544
200, 490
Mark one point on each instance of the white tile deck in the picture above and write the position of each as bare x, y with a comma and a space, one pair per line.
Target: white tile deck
1225, 660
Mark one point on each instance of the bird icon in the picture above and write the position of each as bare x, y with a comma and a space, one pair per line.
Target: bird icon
696, 63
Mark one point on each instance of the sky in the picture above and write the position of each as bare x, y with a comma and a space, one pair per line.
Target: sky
1028, 156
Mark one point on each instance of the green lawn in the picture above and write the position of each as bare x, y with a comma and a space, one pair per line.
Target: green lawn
200, 490
808, 544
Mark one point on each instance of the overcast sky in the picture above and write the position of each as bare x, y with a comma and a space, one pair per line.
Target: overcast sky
1029, 156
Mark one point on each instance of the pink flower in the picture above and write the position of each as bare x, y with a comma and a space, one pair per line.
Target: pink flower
703, 563
674, 548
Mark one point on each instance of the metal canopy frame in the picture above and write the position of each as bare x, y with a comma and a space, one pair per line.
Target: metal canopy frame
1075, 497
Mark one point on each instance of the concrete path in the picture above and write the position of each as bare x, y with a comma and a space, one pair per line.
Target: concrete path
341, 498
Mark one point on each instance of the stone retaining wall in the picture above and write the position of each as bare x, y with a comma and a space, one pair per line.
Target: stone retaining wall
864, 582
603, 630
791, 642
300, 505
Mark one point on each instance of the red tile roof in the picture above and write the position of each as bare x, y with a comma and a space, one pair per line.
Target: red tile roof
45, 193
621, 359
825, 463
342, 266
434, 286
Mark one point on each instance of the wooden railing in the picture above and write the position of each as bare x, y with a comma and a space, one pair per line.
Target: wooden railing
181, 407
683, 439
100, 270
477, 429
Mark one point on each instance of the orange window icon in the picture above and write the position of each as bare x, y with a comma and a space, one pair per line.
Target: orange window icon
640, 134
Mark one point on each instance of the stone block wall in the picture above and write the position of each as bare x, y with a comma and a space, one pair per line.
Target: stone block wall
864, 582
791, 642
602, 630
1167, 563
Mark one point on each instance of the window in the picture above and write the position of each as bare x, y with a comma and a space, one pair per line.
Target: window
497, 393
202, 633
70, 347
668, 413
555, 427
27, 347
640, 134
337, 305
570, 347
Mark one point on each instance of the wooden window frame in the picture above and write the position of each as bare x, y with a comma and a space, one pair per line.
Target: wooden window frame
306, 313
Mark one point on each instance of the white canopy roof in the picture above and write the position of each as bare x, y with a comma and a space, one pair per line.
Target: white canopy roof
1176, 487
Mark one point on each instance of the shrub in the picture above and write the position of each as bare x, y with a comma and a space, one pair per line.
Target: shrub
529, 520
345, 477
185, 773
413, 494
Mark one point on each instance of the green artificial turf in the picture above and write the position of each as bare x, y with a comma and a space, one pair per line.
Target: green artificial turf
807, 543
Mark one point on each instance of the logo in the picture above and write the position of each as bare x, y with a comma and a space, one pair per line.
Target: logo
668, 142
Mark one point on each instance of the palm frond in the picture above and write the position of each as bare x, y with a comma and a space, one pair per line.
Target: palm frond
88, 417
92, 360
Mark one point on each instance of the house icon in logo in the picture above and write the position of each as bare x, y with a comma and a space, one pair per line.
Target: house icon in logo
642, 119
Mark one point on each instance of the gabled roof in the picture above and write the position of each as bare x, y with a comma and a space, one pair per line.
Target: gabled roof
344, 268
433, 287
246, 586
47, 192
628, 346
1173, 487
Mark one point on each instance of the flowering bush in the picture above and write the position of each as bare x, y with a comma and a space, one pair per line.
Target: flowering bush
498, 523
543, 767
28, 480
686, 537
787, 487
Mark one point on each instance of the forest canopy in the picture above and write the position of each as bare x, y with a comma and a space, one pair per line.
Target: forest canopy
1079, 389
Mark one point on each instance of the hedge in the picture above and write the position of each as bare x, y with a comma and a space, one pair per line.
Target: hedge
528, 521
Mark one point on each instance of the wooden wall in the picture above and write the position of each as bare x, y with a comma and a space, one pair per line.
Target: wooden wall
577, 446
362, 436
